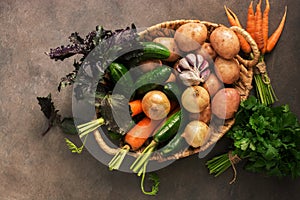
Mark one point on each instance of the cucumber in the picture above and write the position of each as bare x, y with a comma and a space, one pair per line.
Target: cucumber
159, 75
153, 50
117, 71
121, 77
175, 145
141, 91
169, 128
149, 50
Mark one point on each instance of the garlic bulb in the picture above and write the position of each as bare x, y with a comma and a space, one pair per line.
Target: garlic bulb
193, 69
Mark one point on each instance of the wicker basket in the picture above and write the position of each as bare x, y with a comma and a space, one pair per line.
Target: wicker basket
243, 85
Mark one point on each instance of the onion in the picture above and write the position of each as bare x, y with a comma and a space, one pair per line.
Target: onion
195, 99
156, 105
196, 133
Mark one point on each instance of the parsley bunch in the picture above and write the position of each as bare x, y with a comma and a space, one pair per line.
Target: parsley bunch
268, 138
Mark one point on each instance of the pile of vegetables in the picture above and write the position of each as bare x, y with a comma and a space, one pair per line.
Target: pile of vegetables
258, 27
172, 89
176, 87
265, 136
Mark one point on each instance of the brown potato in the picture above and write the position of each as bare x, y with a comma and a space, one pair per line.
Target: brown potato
190, 36
204, 116
149, 65
212, 84
225, 103
225, 42
207, 51
171, 45
227, 71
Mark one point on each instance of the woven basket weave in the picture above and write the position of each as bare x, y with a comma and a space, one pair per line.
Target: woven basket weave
243, 85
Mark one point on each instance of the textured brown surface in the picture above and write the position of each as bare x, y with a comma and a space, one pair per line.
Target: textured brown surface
32, 167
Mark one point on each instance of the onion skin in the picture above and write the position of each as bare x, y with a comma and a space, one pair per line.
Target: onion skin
196, 133
195, 99
226, 103
156, 105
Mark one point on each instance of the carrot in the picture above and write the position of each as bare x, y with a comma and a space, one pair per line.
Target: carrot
259, 39
265, 26
135, 107
275, 36
232, 18
250, 27
138, 135
234, 21
134, 140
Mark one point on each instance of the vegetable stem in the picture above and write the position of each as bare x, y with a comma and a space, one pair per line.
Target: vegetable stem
88, 127
117, 160
152, 177
219, 164
264, 89
143, 158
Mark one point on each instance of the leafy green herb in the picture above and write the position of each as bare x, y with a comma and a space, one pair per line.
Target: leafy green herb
268, 138
68, 127
48, 108
73, 147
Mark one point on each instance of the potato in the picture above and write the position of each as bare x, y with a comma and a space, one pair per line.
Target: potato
171, 45
212, 84
149, 65
190, 36
204, 116
225, 42
207, 51
227, 71
225, 103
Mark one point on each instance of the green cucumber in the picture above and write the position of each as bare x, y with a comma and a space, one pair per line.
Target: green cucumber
175, 145
148, 51
117, 71
141, 91
121, 77
159, 75
153, 50
169, 128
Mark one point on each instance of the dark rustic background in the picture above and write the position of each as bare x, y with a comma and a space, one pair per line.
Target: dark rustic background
35, 167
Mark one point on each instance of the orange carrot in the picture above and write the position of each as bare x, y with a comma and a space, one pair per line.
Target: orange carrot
275, 36
259, 39
265, 26
250, 27
135, 107
139, 134
232, 18
234, 21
